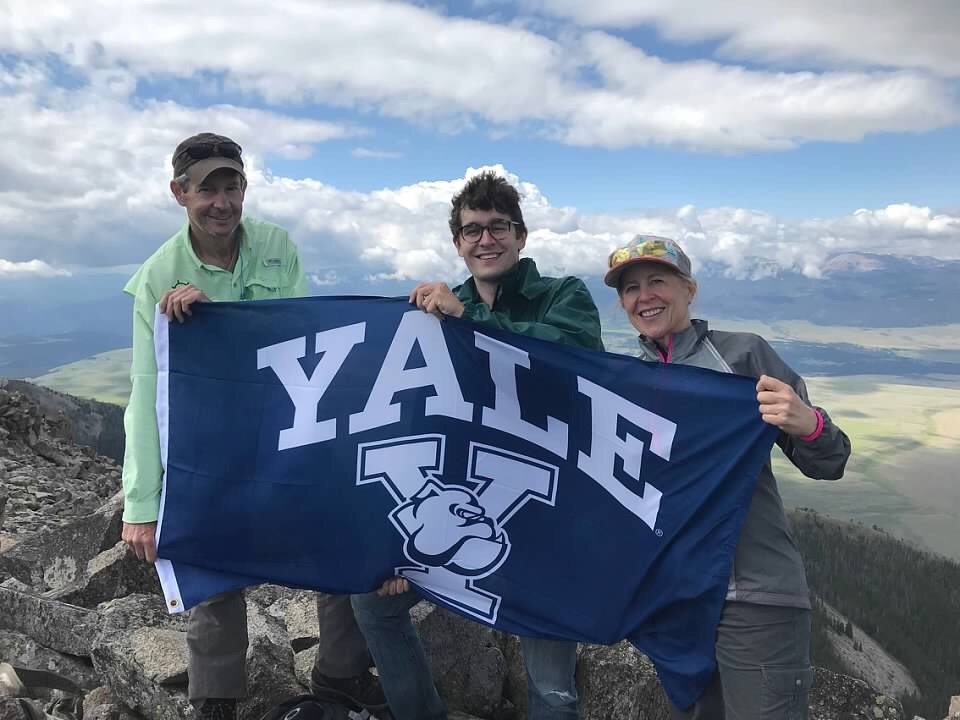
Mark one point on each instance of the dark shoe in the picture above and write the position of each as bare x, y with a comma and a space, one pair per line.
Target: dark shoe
360, 692
216, 709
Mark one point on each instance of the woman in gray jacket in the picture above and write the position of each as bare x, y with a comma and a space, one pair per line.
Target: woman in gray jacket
763, 640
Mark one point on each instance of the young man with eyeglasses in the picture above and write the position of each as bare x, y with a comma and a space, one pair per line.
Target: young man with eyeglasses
505, 292
218, 255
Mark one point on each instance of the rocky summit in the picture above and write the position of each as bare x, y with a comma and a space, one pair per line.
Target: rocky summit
84, 633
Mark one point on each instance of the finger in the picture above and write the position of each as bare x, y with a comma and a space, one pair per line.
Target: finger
167, 307
768, 397
151, 552
771, 419
774, 409
417, 291
768, 383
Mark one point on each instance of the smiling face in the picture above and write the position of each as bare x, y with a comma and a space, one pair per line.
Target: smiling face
488, 260
656, 299
214, 205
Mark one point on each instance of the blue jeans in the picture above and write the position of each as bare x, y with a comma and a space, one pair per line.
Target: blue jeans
551, 683
405, 673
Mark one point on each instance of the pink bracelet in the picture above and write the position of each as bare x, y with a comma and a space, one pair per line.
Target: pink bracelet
816, 433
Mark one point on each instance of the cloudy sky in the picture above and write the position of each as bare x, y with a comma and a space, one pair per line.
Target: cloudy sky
757, 133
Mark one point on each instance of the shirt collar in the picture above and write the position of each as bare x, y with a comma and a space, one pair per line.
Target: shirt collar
191, 253
684, 341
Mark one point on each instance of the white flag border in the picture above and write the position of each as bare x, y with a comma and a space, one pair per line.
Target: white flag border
161, 344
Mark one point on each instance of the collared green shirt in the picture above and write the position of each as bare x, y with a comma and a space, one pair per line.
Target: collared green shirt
267, 267
557, 309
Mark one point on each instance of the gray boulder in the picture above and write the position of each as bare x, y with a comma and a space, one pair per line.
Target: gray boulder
271, 674
54, 558
100, 704
298, 613
111, 574
618, 681
839, 697
468, 667
141, 654
24, 651
55, 625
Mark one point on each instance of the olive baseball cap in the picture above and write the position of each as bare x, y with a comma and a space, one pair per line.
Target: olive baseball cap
199, 155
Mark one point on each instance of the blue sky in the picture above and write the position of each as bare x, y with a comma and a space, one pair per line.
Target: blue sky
754, 134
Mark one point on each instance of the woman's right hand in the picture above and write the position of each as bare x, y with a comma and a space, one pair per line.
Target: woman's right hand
781, 406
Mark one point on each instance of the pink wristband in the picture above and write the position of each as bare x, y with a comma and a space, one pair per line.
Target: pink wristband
816, 433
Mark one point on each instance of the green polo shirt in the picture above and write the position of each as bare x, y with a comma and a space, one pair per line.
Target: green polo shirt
267, 267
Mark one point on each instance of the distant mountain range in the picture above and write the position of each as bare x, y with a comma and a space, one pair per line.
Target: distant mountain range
48, 322
857, 290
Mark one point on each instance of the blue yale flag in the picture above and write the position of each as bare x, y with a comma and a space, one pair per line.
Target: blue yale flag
333, 442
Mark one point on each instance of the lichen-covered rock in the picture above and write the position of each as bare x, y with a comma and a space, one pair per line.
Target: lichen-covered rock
839, 697
270, 662
141, 654
12, 709
23, 651
618, 681
100, 704
468, 666
113, 573
55, 625
298, 613
954, 710
57, 557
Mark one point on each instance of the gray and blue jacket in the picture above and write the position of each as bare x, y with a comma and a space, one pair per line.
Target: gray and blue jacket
767, 568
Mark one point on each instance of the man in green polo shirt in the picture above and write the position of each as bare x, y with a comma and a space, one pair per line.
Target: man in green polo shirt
219, 256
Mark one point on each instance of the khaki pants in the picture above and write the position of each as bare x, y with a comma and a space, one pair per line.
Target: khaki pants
217, 642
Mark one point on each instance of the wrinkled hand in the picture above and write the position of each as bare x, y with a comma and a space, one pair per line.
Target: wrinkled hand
176, 303
142, 539
436, 298
781, 406
394, 586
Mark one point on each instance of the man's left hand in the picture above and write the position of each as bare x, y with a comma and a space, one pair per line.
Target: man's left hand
781, 406
436, 298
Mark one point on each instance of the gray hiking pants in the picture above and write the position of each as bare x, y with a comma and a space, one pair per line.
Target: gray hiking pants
217, 642
763, 666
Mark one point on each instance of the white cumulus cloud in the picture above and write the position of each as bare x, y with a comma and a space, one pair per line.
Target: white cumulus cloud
418, 64
35, 268
871, 33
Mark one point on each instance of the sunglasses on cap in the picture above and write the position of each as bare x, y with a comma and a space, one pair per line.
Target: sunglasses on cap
204, 150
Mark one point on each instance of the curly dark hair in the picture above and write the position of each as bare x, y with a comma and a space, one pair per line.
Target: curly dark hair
487, 191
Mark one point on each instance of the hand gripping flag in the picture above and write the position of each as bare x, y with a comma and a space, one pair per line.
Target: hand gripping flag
331, 443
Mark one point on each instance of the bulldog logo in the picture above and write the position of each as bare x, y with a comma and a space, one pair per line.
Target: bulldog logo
454, 534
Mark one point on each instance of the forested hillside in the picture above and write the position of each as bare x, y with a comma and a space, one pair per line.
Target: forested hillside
906, 599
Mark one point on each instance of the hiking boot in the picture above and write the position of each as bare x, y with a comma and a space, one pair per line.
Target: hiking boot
216, 709
360, 692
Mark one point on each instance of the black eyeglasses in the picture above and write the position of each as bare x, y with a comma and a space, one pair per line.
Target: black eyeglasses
498, 229
204, 150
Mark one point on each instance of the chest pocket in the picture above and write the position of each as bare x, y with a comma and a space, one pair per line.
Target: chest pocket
264, 283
